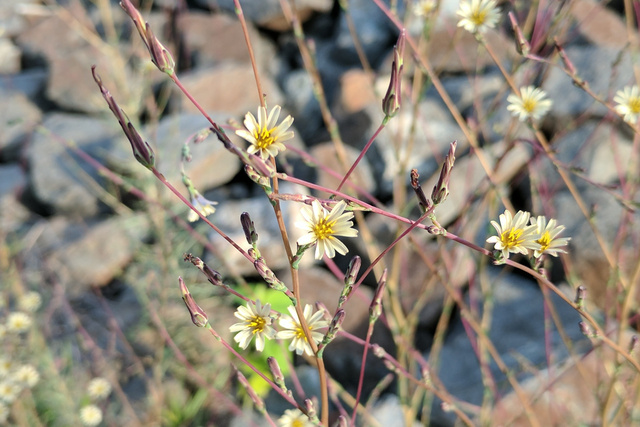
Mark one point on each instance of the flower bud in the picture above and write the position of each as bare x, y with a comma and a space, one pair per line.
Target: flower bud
441, 189
213, 276
392, 99
417, 188
141, 149
332, 331
522, 44
198, 316
581, 293
375, 309
257, 401
249, 228
278, 377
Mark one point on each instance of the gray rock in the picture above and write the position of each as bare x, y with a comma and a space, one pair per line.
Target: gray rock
518, 333
58, 178
91, 254
298, 90
604, 69
29, 82
12, 213
19, 118
12, 16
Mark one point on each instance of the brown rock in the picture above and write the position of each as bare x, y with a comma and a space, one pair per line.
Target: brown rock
325, 154
599, 24
357, 91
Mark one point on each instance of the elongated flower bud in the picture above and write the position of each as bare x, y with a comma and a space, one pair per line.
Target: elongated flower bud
257, 401
249, 228
375, 309
441, 190
213, 276
160, 56
417, 188
141, 149
522, 44
278, 377
198, 316
392, 99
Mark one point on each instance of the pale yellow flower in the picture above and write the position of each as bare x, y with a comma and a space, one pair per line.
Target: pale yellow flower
202, 204
547, 237
18, 322
322, 227
293, 330
515, 235
30, 302
531, 103
478, 15
9, 391
255, 322
628, 100
265, 137
98, 388
26, 375
90, 415
294, 418
424, 7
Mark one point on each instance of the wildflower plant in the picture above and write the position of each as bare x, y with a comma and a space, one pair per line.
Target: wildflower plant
628, 104
327, 221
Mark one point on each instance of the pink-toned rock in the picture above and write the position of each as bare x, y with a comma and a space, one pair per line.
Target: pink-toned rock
325, 154
230, 88
599, 24
357, 91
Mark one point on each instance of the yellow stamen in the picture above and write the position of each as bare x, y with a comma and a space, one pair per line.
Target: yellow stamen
257, 325
323, 229
263, 138
544, 241
511, 238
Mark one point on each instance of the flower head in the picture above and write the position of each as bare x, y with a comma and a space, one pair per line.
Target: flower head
294, 418
202, 204
9, 391
265, 137
30, 302
255, 322
424, 7
90, 415
322, 227
628, 100
293, 330
478, 15
26, 375
547, 237
18, 322
514, 234
531, 103
98, 388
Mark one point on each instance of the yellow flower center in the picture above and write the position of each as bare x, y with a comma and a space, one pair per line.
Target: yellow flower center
511, 238
300, 333
323, 229
479, 17
297, 423
257, 324
544, 241
634, 105
528, 105
263, 138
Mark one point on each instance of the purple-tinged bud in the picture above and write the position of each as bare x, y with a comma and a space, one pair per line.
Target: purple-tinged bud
393, 99
249, 228
201, 135
522, 44
254, 176
311, 410
417, 188
160, 56
581, 293
141, 149
262, 167
257, 401
198, 316
213, 276
633, 344
278, 377
375, 309
586, 330
441, 190
352, 271
332, 331
378, 351
269, 276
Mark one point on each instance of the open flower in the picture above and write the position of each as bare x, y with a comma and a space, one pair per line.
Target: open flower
202, 204
531, 103
424, 7
9, 391
18, 322
323, 226
515, 235
294, 418
265, 137
293, 330
90, 415
26, 375
98, 388
255, 322
547, 237
30, 302
478, 15
628, 100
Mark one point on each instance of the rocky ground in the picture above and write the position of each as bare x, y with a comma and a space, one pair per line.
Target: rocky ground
84, 237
